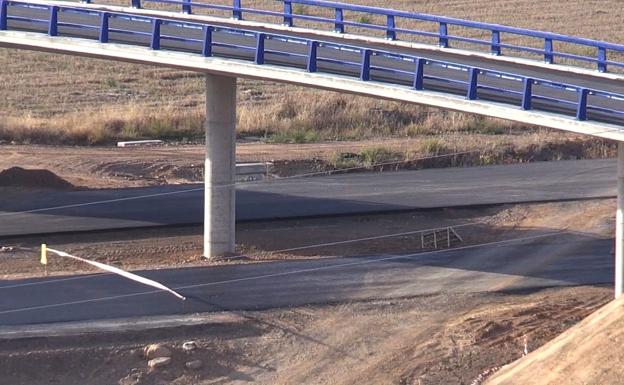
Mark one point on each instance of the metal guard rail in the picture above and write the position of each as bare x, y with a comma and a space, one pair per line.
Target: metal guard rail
312, 58
443, 36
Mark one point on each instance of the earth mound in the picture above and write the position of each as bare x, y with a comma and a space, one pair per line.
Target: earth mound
20, 177
589, 353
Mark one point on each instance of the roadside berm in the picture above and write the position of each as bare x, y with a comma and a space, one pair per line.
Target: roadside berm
589, 353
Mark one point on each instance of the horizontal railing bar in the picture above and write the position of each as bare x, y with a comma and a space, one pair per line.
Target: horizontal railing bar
27, 20
76, 25
226, 45
127, 32
181, 39
446, 80
607, 110
562, 101
284, 53
499, 89
461, 23
391, 70
335, 61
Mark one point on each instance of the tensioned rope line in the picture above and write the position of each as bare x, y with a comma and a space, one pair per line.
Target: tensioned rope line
292, 272
274, 180
117, 271
347, 241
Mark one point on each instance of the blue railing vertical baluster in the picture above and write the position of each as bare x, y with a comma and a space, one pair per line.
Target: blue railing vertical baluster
288, 12
602, 59
136, 4
207, 43
103, 38
390, 25
4, 10
155, 43
365, 68
473, 83
581, 108
339, 21
548, 51
527, 93
237, 14
419, 74
260, 38
312, 55
444, 41
53, 23
186, 7
495, 49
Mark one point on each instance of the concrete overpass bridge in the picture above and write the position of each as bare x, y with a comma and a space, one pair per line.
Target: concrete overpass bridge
584, 95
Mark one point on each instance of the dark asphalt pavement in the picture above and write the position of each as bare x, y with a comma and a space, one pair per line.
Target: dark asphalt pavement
315, 196
528, 265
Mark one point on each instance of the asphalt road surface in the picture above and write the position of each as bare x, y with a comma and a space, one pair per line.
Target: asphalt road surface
560, 260
228, 45
313, 196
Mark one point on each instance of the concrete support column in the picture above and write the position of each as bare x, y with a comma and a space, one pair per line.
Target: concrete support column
220, 166
619, 225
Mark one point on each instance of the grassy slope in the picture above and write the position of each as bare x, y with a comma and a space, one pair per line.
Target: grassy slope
57, 99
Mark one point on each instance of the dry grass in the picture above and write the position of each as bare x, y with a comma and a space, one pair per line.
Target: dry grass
61, 99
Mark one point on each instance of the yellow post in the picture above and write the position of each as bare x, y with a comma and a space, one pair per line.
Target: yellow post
44, 254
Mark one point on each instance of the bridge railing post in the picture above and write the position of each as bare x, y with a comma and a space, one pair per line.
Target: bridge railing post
473, 83
237, 14
186, 7
155, 42
419, 74
4, 10
53, 23
548, 51
312, 49
136, 4
495, 48
259, 58
207, 43
288, 13
602, 59
444, 41
390, 26
527, 93
365, 67
581, 109
339, 21
103, 38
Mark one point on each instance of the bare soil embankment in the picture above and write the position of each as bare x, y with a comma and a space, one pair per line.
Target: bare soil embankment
588, 353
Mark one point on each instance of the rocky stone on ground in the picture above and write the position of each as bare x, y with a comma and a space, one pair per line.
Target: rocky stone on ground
189, 346
158, 362
156, 351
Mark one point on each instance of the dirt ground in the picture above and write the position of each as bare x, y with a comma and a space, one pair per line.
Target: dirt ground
588, 353
440, 339
112, 167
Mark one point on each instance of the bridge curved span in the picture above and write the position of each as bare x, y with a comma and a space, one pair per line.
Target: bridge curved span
390, 74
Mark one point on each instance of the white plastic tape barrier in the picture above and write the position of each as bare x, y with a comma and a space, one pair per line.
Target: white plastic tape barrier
118, 271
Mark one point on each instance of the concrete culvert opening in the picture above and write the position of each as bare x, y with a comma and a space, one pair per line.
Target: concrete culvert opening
20, 177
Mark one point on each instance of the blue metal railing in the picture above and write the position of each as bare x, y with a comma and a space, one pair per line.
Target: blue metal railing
443, 36
319, 56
